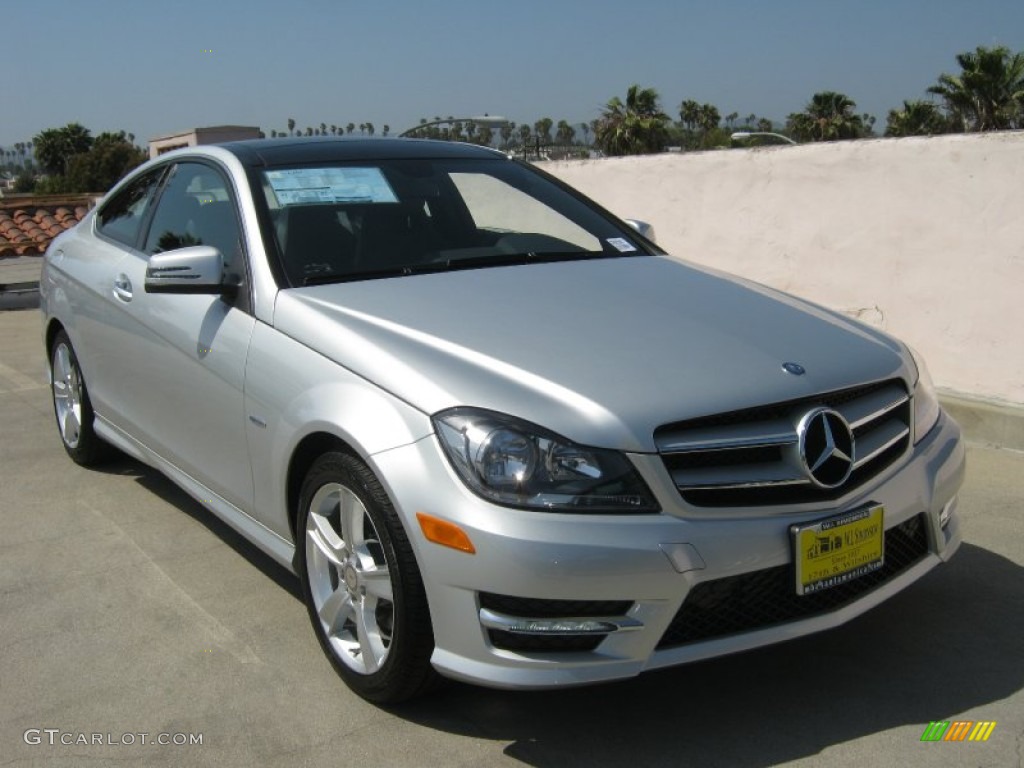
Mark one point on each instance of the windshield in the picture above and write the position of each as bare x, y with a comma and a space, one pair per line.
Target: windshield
375, 219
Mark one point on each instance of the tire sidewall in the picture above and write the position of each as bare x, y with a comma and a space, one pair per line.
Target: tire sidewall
382, 685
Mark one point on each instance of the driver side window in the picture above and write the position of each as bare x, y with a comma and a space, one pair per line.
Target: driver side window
196, 208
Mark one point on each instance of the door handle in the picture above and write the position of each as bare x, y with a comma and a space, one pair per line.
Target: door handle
123, 287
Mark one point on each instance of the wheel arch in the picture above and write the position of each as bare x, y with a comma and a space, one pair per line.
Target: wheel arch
53, 327
308, 449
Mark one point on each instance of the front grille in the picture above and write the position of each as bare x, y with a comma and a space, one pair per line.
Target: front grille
540, 608
751, 457
768, 597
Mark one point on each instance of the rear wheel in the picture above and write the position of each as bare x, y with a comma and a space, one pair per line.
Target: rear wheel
362, 586
71, 406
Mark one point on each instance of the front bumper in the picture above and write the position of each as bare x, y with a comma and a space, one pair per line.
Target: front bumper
641, 568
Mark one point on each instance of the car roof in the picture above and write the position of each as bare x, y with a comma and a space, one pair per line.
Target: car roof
271, 152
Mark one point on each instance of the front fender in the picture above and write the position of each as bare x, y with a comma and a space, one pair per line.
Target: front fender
293, 393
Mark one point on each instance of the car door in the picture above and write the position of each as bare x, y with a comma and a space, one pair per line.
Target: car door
179, 372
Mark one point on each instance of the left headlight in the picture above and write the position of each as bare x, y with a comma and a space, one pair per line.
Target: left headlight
926, 401
518, 464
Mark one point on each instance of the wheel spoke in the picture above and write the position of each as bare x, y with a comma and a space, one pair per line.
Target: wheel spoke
62, 363
337, 608
371, 647
377, 581
70, 427
352, 513
325, 539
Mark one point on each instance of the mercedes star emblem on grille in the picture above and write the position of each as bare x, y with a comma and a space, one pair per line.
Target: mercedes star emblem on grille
826, 447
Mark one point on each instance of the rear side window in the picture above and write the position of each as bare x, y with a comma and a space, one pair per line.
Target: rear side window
121, 218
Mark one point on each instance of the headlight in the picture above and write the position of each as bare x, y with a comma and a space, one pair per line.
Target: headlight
518, 464
926, 402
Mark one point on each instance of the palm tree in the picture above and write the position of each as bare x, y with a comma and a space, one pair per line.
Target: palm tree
586, 133
565, 133
369, 128
350, 127
635, 127
917, 118
323, 129
828, 116
988, 95
386, 129
291, 126
689, 114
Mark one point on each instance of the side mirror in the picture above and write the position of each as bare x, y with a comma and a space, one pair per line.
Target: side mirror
643, 228
195, 269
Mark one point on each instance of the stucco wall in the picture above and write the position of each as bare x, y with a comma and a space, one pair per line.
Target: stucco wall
921, 237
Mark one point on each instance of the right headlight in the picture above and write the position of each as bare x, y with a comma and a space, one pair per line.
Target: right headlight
926, 401
518, 464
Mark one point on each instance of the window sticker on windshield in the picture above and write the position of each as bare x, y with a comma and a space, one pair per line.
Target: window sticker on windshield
621, 244
331, 185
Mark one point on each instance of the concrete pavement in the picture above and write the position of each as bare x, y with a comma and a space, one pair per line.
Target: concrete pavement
126, 608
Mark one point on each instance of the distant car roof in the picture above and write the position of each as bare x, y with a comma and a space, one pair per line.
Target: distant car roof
271, 152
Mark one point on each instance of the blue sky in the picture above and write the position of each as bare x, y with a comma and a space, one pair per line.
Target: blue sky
143, 67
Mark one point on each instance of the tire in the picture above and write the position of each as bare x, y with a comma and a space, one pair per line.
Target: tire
72, 408
362, 586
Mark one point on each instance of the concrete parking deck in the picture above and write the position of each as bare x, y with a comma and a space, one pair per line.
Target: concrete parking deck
128, 609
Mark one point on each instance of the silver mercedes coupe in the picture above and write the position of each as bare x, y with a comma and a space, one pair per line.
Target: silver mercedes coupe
497, 433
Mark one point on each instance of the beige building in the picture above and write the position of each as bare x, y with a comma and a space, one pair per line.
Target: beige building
211, 135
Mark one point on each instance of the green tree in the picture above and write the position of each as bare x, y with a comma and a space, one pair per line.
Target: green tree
542, 129
110, 158
25, 183
635, 127
917, 118
690, 114
828, 116
988, 94
350, 127
291, 126
565, 133
56, 146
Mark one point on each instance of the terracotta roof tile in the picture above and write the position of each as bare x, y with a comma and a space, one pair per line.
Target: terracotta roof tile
24, 233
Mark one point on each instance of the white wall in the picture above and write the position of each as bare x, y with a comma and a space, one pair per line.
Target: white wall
923, 237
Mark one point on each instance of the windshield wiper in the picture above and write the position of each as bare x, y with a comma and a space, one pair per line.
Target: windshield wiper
370, 274
518, 259
468, 262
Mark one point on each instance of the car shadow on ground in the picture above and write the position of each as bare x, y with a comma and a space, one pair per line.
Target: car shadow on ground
158, 484
948, 644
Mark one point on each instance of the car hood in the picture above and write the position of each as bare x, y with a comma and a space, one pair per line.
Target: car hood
600, 351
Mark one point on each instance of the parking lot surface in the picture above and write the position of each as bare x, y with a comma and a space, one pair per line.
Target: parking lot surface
127, 609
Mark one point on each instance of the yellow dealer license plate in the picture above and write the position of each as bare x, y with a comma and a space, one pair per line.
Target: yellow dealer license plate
834, 551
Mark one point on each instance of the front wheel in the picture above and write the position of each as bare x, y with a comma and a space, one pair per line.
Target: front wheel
362, 586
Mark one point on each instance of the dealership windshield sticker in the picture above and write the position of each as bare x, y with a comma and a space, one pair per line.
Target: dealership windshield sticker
331, 185
621, 244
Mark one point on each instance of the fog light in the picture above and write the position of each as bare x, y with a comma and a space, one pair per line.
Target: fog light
521, 625
947, 513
